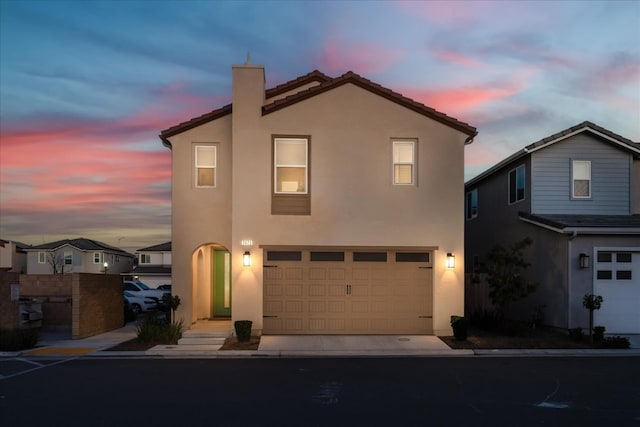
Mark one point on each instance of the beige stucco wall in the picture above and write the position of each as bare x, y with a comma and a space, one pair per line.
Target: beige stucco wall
353, 201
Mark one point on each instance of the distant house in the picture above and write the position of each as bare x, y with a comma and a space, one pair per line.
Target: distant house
13, 256
577, 195
320, 206
154, 265
77, 256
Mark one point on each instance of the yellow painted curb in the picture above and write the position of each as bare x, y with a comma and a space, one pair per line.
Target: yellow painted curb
61, 350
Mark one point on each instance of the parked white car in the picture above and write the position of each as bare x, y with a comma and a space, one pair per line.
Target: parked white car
140, 304
136, 287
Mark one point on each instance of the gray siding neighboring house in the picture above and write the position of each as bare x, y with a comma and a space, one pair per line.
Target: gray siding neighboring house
78, 256
589, 214
154, 265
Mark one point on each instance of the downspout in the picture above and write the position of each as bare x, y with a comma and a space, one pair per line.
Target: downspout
570, 276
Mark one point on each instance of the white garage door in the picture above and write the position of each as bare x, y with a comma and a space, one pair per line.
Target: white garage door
617, 280
348, 291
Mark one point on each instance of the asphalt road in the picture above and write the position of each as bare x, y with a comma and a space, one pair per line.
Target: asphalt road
464, 391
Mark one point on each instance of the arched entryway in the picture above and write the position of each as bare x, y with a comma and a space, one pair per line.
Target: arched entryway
211, 273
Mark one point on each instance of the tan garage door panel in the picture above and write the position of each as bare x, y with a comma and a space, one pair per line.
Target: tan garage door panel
348, 297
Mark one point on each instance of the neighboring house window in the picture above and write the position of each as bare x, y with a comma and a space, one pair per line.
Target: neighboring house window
68, 258
516, 184
97, 257
472, 203
404, 162
581, 179
42, 257
206, 160
291, 187
145, 259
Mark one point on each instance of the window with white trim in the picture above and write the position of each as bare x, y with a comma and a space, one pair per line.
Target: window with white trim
472, 203
404, 169
516, 184
97, 257
145, 258
581, 179
291, 165
205, 165
68, 258
42, 257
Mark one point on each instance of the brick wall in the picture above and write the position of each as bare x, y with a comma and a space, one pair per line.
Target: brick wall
98, 304
8, 309
89, 303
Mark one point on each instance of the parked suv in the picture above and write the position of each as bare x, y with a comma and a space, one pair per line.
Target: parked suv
138, 288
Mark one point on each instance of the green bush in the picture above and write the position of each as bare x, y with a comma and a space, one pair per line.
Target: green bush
243, 329
18, 339
598, 333
156, 329
576, 334
614, 342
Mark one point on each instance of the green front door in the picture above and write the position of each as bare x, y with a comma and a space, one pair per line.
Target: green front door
221, 284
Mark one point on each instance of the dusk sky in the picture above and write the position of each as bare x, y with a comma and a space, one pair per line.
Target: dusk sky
87, 86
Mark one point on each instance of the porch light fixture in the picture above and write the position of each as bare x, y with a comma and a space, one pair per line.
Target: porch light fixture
451, 260
106, 267
584, 261
246, 259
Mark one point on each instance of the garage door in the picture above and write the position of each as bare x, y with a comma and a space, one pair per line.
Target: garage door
617, 280
348, 291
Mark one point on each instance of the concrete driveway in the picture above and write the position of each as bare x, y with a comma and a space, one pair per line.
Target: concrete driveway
351, 343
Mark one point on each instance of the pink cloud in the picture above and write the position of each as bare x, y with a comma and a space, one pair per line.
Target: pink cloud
364, 58
455, 58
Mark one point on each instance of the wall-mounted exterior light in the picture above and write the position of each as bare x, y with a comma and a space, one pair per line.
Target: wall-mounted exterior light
106, 267
246, 259
584, 261
451, 260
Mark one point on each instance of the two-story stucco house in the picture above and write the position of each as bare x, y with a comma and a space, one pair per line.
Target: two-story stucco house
77, 256
154, 265
13, 257
320, 206
577, 195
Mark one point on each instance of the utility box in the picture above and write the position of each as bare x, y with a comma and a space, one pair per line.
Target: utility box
30, 313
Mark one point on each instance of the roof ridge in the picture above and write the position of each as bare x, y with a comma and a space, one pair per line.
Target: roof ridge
314, 75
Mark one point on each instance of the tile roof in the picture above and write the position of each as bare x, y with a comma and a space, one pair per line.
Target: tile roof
562, 221
80, 243
326, 84
162, 247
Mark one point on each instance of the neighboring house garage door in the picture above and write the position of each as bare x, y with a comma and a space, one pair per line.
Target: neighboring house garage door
348, 291
617, 280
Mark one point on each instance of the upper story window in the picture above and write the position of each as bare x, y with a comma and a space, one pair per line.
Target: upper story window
42, 257
472, 203
516, 184
404, 162
68, 258
206, 160
291, 187
97, 257
581, 179
145, 258
291, 165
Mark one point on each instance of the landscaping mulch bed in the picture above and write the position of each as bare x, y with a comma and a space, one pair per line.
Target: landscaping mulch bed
539, 338
234, 344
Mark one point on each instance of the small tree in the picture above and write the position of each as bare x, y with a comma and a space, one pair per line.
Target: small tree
56, 261
173, 302
591, 302
504, 275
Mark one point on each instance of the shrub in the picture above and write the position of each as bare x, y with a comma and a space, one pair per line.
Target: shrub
156, 329
18, 339
598, 333
484, 319
576, 334
243, 329
614, 342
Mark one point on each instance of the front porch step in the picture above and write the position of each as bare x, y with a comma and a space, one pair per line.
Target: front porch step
201, 341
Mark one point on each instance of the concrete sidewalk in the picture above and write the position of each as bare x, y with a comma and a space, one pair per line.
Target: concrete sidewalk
275, 346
